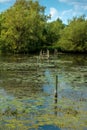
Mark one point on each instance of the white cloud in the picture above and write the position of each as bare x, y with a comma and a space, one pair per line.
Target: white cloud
76, 9
66, 15
75, 2
63, 0
85, 7
79, 7
53, 13
67, 12
4, 1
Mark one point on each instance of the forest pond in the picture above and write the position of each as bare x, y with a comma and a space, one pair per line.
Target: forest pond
27, 92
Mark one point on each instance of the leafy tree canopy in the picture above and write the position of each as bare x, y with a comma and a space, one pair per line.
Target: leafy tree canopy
74, 36
24, 28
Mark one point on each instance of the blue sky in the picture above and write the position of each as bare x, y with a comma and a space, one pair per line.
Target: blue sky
63, 9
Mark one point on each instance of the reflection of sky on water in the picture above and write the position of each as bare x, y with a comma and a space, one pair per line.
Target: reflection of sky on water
6, 96
39, 99
48, 127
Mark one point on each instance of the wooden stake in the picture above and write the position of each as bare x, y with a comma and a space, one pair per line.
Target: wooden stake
56, 94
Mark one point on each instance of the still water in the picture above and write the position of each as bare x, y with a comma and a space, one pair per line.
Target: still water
27, 92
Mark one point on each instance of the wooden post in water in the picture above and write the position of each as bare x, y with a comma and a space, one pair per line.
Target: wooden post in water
47, 54
41, 54
56, 93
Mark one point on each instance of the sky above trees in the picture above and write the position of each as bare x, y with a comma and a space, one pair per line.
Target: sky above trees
64, 9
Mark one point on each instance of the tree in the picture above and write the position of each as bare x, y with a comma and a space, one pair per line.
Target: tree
23, 27
53, 32
74, 36
1, 20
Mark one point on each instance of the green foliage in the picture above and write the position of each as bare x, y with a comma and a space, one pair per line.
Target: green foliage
24, 29
53, 31
74, 36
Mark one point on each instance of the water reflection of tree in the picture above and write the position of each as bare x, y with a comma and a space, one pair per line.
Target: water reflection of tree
55, 106
20, 86
80, 60
21, 90
22, 83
